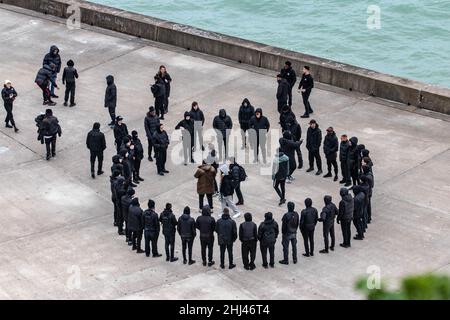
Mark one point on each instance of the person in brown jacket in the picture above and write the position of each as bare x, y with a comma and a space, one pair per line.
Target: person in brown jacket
206, 175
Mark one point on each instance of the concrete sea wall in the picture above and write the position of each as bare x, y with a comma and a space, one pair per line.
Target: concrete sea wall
337, 74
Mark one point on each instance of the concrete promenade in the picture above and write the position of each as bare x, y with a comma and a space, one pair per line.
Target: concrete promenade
55, 220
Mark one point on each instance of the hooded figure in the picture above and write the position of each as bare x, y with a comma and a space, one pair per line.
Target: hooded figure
206, 226
138, 155
117, 165
151, 230
313, 142
267, 235
161, 142
308, 220
119, 192
9, 94
169, 224
188, 136
222, 124
48, 130
120, 132
246, 112
248, 235
159, 93
368, 176
44, 77
259, 126
290, 223
286, 112
136, 224
53, 57
125, 203
296, 130
96, 143
327, 216
288, 146
282, 92
345, 216
358, 211
151, 124
288, 73
70, 74
330, 149
187, 232
226, 234
352, 160
111, 98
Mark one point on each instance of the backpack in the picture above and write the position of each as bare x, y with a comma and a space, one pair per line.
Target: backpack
269, 235
242, 173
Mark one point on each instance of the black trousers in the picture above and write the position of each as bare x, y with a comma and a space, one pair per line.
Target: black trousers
308, 240
45, 92
305, 97
137, 167
346, 231
280, 188
99, 156
9, 115
201, 197
358, 223
271, 249
369, 210
161, 157
290, 96
150, 148
327, 233
315, 155
345, 171
331, 161
159, 106
354, 173
50, 145
116, 215
207, 244
248, 248
187, 244
136, 238
170, 246
281, 104
289, 238
299, 156
166, 104
120, 218
150, 238
239, 193
70, 91
229, 248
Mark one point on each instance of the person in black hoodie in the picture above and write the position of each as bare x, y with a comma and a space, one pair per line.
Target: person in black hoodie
246, 112
367, 173
288, 147
188, 137
96, 143
267, 236
127, 166
343, 159
43, 78
345, 216
206, 226
248, 235
222, 124
308, 220
112, 182
330, 148
161, 143
199, 121
286, 112
117, 164
167, 79
151, 230
136, 224
187, 231
259, 127
289, 74
53, 57
9, 94
159, 93
289, 226
358, 212
169, 224
227, 234
138, 156
48, 130
119, 192
352, 160
70, 74
327, 216
365, 187
125, 205
111, 98
294, 127
280, 172
305, 87
282, 92
151, 124
313, 142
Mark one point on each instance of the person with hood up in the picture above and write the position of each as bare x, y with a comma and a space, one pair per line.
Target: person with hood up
120, 132
126, 163
352, 160
308, 220
366, 160
367, 173
289, 226
70, 74
345, 216
119, 191
151, 230
259, 127
111, 98
282, 92
267, 236
199, 121
187, 231
280, 172
343, 159
151, 124
286, 112
53, 57
248, 235
205, 175
48, 130
167, 79
96, 143
239, 175
246, 112
227, 188
313, 142
169, 224
117, 164
288, 73
43, 78
365, 187
125, 204
327, 216
305, 87
294, 127
330, 148
159, 93
226, 234
9, 94
138, 156
206, 225
112, 182
222, 124
188, 137
358, 211
161, 143
288, 146
136, 224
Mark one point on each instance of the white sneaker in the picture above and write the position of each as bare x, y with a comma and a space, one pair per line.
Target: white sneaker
236, 215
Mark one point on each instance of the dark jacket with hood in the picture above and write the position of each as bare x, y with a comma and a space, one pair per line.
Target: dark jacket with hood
186, 225
346, 206
226, 230
138, 151
343, 151
353, 152
222, 122
290, 75
44, 76
280, 169
197, 115
166, 79
206, 224
288, 147
116, 166
261, 123
268, 231
49, 127
6, 95
111, 93
161, 139
358, 201
70, 74
290, 221
120, 132
51, 57
135, 216
314, 139
330, 145
308, 217
125, 201
96, 141
283, 90
169, 222
286, 113
246, 112
151, 124
328, 214
188, 127
118, 190
151, 223
294, 127
248, 231
227, 185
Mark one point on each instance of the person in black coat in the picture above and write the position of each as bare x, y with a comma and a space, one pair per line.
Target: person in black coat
280, 172
259, 127
222, 124
161, 143
138, 156
289, 226
187, 231
199, 121
111, 98
308, 220
151, 124
169, 224
126, 163
343, 159
9, 94
112, 182
48, 130
352, 160
246, 112
120, 132
136, 224
119, 192
345, 216
167, 80
70, 74
313, 142
53, 57
206, 225
151, 230
267, 236
117, 164
282, 92
286, 112
358, 212
125, 205
227, 234
248, 235
288, 73
159, 93
327, 216
43, 78
96, 143
288, 147
330, 148
305, 87
188, 137
294, 127
368, 177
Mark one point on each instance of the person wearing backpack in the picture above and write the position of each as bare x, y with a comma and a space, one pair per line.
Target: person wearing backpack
169, 224
327, 216
308, 220
289, 226
248, 235
48, 130
159, 93
267, 236
227, 234
239, 175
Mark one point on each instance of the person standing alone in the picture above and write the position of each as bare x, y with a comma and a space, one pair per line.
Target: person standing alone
70, 74
9, 94
48, 130
96, 143
305, 87
111, 99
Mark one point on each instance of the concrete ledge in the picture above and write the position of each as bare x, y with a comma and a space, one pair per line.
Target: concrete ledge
249, 52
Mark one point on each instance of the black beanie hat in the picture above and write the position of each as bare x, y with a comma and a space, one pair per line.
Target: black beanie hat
70, 63
268, 216
135, 202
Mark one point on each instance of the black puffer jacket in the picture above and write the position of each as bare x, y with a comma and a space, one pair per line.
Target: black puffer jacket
288, 147
308, 218
346, 206
120, 132
151, 223
96, 141
313, 139
135, 217
227, 185
246, 112
186, 225
169, 222
206, 224
283, 90
197, 115
110, 93
116, 166
359, 201
161, 140
343, 151
290, 75
125, 202
248, 231
329, 213
188, 127
285, 115
222, 123
138, 151
294, 127
51, 57
151, 124
330, 145
44, 76
226, 230
261, 123
290, 221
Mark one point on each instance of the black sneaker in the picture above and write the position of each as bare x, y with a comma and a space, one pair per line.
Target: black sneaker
204, 263
184, 261
252, 267
222, 266
305, 116
272, 265
211, 263
232, 266
157, 255
150, 159
265, 266
191, 262
160, 173
246, 267
99, 173
323, 251
65, 104
165, 171
306, 255
335, 178
348, 184
72, 105
328, 175
8, 126
51, 103
318, 173
140, 251
310, 169
283, 262
174, 259
54, 96
93, 175
140, 179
